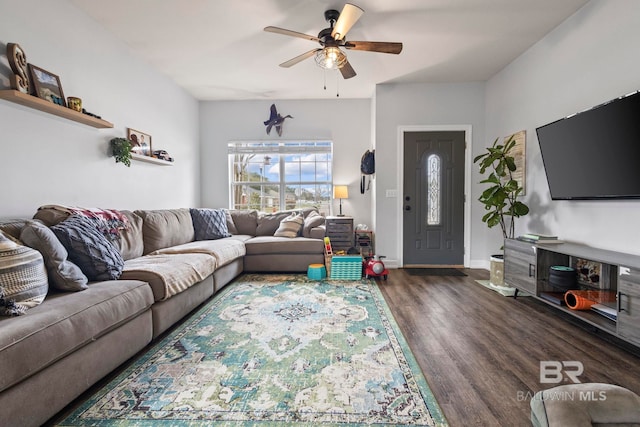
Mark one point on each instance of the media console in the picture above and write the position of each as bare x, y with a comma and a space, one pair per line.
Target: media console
527, 266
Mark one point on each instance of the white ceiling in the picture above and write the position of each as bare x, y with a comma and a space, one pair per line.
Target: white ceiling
217, 50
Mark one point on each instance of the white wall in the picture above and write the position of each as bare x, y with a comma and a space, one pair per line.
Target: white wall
422, 105
589, 59
346, 122
45, 159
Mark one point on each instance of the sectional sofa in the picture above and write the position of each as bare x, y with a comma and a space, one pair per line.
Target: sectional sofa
58, 349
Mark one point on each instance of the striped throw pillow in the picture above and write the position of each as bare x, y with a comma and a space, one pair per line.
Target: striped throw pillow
23, 278
290, 226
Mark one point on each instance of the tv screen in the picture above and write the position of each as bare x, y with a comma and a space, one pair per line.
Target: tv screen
594, 154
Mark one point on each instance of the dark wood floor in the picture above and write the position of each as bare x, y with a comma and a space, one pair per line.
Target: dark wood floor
480, 351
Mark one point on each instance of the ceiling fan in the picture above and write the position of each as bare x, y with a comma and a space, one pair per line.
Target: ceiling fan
330, 56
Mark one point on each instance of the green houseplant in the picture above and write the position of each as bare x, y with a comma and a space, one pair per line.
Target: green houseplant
500, 199
121, 149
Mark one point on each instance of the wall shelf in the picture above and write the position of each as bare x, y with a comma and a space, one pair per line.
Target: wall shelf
51, 108
149, 159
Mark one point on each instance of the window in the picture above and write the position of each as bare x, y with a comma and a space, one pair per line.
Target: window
273, 176
434, 182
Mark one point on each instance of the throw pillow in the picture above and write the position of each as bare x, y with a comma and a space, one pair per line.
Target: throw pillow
23, 278
209, 224
268, 223
96, 256
63, 274
314, 219
290, 226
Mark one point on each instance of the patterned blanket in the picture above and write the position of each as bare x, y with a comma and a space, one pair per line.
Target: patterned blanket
109, 221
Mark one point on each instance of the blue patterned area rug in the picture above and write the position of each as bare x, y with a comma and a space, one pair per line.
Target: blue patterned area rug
274, 350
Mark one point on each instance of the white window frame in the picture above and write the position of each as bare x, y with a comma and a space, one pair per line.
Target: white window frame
281, 149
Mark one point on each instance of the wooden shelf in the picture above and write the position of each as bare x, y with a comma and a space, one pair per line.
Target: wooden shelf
148, 159
51, 108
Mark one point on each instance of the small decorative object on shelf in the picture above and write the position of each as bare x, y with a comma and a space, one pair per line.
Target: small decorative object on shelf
162, 155
74, 103
47, 85
140, 142
18, 62
85, 112
121, 148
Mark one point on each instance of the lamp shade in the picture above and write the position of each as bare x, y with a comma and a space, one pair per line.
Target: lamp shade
340, 192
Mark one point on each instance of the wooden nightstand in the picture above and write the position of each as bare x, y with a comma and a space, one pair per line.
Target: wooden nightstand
340, 232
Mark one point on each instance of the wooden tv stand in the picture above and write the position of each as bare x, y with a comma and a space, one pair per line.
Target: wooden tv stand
526, 267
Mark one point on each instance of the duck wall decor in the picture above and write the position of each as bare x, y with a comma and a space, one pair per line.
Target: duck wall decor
275, 119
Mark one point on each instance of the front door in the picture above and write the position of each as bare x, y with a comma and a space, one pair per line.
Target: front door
433, 199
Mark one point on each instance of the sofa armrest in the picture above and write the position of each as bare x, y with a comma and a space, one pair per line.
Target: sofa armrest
318, 232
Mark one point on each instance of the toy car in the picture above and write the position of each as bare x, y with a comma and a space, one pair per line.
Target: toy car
162, 155
374, 267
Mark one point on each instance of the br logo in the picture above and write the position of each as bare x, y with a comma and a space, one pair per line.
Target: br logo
554, 372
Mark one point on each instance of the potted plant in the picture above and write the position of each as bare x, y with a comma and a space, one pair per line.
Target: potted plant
121, 149
500, 199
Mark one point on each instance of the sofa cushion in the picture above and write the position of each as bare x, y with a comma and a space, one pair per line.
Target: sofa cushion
290, 226
246, 222
262, 245
231, 226
64, 323
23, 278
209, 224
13, 227
311, 221
63, 274
169, 275
130, 242
50, 216
269, 223
223, 250
165, 228
89, 249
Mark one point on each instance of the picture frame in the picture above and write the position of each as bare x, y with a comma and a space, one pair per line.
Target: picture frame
519, 157
140, 142
47, 85
593, 274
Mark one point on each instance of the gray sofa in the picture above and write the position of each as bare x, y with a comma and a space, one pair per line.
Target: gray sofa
60, 348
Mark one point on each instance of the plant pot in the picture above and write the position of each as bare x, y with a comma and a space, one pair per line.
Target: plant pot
496, 272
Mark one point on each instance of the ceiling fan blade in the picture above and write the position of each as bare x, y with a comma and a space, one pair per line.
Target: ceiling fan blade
349, 16
299, 58
383, 47
347, 71
291, 33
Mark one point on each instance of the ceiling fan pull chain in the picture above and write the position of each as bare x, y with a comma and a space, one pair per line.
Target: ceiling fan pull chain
337, 85
324, 78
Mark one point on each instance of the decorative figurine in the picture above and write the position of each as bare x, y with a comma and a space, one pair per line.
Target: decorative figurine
275, 119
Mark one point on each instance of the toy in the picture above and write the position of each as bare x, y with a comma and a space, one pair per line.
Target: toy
162, 155
374, 267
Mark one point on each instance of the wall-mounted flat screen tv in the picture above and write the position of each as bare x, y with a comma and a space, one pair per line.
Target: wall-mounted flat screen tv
594, 154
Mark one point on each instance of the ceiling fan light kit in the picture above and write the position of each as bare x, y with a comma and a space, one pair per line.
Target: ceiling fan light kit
330, 56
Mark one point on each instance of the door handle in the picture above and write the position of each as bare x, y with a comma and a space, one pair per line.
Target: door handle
620, 295
532, 270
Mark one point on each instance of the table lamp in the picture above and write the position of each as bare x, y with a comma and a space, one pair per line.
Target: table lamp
340, 192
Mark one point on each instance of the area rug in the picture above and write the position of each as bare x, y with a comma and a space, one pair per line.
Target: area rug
434, 272
274, 350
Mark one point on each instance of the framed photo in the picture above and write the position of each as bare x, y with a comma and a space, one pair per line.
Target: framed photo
594, 274
46, 85
140, 142
519, 157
